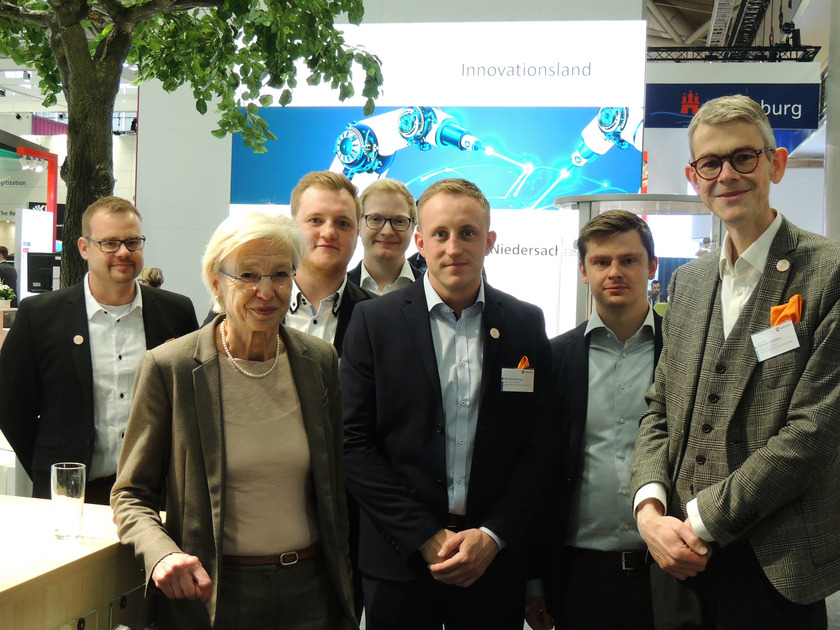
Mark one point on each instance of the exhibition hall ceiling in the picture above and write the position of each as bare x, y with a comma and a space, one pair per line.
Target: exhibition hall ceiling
695, 23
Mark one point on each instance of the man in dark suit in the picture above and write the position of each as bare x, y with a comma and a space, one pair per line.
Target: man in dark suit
67, 365
388, 217
446, 433
602, 370
8, 273
326, 207
736, 474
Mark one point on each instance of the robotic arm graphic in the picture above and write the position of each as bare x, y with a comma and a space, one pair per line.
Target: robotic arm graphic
366, 149
613, 126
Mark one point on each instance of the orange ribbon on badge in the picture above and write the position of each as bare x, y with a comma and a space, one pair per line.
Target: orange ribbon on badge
791, 311
524, 364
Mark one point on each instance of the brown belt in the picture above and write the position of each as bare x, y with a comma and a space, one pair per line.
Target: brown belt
626, 560
285, 559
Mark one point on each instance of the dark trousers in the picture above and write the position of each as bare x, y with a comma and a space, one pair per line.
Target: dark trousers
600, 597
731, 594
425, 604
276, 597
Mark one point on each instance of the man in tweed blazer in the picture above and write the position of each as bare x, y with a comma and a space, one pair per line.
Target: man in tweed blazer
736, 473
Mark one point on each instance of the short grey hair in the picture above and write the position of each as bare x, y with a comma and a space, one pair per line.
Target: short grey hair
275, 230
728, 108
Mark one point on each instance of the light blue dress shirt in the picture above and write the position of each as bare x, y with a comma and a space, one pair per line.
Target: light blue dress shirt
459, 349
619, 376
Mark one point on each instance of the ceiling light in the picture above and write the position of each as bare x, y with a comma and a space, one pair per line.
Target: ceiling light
24, 163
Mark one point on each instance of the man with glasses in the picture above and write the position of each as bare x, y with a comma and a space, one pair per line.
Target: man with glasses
735, 475
67, 365
389, 215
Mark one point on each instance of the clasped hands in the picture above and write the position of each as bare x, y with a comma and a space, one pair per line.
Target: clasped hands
673, 543
459, 558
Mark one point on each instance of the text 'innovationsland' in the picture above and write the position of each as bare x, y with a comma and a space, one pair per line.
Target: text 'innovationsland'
527, 70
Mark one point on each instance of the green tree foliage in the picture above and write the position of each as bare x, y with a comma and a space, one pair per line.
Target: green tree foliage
228, 51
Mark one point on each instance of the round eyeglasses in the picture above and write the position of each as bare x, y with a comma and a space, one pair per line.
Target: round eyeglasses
280, 280
112, 245
377, 222
744, 161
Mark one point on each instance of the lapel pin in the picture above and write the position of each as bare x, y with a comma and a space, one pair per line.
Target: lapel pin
783, 265
78, 340
494, 332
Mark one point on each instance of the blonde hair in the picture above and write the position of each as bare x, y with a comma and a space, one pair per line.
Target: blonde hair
151, 276
325, 180
390, 186
453, 186
107, 205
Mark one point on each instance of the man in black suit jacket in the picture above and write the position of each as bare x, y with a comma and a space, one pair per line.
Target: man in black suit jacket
602, 370
389, 213
67, 365
446, 433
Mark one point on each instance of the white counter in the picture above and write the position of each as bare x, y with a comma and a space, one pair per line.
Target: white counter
47, 583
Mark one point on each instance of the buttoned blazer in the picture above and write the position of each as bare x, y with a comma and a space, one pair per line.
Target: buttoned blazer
770, 471
395, 436
175, 441
570, 394
355, 274
46, 374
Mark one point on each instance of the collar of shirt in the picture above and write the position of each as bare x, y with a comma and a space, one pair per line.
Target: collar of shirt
93, 307
433, 299
367, 282
755, 255
299, 298
595, 321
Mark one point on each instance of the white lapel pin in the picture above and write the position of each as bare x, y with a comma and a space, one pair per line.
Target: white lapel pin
783, 265
78, 340
494, 332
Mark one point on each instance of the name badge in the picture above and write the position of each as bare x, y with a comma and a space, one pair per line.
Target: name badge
516, 380
775, 341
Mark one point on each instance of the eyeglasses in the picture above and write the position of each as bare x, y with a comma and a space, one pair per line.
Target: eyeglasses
280, 280
112, 245
377, 222
744, 161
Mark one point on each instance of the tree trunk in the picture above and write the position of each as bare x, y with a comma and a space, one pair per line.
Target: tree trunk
90, 86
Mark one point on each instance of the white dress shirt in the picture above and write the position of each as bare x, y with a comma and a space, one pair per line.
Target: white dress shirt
322, 323
117, 342
405, 278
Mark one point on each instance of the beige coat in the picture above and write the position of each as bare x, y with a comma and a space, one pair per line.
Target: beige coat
174, 442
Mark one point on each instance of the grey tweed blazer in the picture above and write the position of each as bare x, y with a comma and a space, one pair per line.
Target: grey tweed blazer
756, 442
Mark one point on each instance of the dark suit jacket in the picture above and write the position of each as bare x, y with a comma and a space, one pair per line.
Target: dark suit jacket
769, 471
175, 440
46, 374
353, 294
570, 360
355, 274
394, 431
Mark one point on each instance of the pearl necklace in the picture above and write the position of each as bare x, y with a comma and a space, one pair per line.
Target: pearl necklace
240, 368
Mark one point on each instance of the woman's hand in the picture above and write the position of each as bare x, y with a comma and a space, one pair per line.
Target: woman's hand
181, 576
